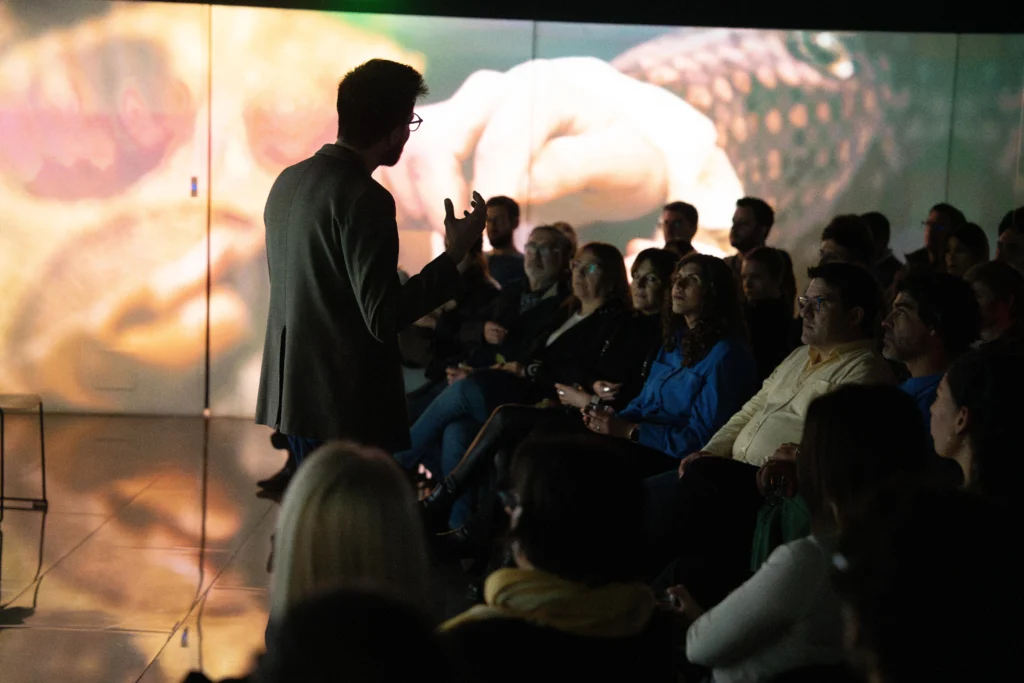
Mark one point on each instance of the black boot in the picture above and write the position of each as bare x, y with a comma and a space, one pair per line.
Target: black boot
279, 482
438, 505
458, 544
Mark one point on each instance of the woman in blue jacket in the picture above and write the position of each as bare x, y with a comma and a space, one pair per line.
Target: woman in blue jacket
703, 374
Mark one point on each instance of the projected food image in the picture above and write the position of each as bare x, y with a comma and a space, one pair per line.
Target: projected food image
138, 136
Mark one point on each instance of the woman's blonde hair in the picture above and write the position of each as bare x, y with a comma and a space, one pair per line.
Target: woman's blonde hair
349, 518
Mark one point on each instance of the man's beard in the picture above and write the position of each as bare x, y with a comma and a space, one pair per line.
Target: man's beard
393, 155
500, 241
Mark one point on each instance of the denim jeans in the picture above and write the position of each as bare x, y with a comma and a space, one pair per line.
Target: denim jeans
463, 402
301, 448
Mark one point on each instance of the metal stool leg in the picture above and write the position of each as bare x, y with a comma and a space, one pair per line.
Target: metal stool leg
3, 467
42, 458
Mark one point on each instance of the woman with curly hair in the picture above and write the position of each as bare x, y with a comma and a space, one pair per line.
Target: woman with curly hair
703, 374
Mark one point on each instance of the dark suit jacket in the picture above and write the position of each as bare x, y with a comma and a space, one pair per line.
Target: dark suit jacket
331, 365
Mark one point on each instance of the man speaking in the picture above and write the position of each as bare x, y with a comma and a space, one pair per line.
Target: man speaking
331, 365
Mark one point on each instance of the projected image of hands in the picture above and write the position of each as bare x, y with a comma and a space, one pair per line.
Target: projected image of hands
138, 142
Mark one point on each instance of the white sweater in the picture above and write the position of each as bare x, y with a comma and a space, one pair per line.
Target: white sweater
785, 617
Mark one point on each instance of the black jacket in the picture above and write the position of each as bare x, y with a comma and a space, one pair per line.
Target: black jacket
524, 327
459, 331
331, 363
507, 650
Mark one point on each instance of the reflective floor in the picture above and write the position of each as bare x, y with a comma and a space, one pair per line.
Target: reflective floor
151, 560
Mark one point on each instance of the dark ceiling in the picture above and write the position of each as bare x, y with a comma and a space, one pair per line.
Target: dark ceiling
977, 16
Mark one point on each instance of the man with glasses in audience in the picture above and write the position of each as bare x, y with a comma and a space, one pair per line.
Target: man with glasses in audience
526, 306
713, 508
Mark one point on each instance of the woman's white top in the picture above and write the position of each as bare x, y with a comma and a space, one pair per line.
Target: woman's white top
567, 325
786, 616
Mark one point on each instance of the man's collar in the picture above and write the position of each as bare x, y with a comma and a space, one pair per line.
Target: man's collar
817, 355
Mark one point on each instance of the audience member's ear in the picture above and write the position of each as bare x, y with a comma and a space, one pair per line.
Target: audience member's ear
856, 316
963, 420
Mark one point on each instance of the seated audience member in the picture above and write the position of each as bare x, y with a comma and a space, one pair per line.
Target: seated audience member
1010, 245
350, 635
444, 337
570, 234
652, 276
651, 289
840, 319
931, 587
787, 616
942, 220
885, 265
751, 223
934, 320
585, 348
966, 247
504, 260
703, 373
847, 239
973, 420
714, 507
769, 307
349, 516
527, 310
572, 608
1000, 291
678, 225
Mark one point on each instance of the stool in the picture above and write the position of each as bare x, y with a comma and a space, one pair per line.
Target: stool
21, 403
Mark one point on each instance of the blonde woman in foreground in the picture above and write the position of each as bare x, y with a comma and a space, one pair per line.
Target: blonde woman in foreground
349, 518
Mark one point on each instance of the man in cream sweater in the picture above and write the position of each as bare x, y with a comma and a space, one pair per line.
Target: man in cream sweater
714, 505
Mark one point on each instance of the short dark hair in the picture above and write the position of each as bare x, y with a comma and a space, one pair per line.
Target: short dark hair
570, 525
852, 233
878, 224
1013, 219
375, 98
988, 383
780, 267
1005, 282
840, 462
688, 211
506, 204
973, 237
948, 305
888, 576
857, 287
763, 212
664, 263
953, 215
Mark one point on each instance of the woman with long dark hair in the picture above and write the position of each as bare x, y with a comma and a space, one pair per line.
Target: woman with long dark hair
633, 350
578, 348
703, 374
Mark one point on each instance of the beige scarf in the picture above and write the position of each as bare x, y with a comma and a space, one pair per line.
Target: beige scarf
615, 610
